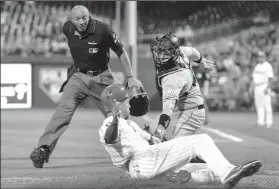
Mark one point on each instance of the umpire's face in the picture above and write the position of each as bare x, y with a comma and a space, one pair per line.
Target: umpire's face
80, 18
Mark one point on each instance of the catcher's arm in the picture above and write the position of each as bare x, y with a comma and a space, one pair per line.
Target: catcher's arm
194, 55
172, 86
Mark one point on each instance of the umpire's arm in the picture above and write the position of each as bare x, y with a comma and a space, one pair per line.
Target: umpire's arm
118, 48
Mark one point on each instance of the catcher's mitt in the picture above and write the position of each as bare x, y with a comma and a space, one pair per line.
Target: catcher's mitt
139, 102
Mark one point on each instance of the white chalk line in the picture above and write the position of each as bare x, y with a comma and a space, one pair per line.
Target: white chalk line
223, 134
39, 178
215, 131
33, 180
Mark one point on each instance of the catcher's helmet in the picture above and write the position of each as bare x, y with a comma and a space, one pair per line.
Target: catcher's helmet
172, 38
138, 99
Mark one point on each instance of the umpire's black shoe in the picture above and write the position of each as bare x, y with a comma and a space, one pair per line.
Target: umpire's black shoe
239, 172
39, 156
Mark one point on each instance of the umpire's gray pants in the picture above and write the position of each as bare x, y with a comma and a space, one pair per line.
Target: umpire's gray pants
78, 87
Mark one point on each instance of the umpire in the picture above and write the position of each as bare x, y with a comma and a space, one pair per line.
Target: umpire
89, 41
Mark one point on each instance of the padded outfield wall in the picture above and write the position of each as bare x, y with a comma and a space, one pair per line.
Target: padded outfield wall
47, 75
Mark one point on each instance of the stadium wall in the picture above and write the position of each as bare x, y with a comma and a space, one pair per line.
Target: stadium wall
35, 82
48, 74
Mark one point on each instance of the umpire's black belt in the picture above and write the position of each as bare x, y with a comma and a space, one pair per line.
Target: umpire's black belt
93, 73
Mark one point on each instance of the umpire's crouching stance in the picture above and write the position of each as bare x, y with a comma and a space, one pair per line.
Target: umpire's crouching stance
89, 41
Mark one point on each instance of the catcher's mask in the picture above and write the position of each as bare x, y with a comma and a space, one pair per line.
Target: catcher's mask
138, 99
164, 48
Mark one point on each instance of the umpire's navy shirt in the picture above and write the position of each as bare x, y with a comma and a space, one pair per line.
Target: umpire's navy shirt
90, 51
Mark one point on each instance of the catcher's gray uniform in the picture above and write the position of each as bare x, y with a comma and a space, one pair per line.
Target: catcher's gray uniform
188, 114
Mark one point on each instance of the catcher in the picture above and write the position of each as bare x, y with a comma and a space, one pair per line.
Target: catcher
183, 104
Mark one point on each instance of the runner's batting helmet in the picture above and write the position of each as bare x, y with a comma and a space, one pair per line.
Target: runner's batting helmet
113, 92
138, 99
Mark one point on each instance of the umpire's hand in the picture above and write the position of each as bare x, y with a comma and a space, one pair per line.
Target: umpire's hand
133, 82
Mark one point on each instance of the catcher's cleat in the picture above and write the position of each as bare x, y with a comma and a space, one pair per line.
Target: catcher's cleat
39, 156
180, 178
239, 172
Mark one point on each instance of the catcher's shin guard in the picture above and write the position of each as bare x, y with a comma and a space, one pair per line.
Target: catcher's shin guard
39, 156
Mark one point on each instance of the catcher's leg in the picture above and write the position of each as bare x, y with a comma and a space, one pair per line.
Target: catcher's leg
72, 96
184, 123
206, 120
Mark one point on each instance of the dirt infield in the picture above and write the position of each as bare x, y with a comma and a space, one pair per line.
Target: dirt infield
80, 161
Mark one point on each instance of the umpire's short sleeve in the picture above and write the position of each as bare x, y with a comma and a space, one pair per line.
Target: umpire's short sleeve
114, 42
67, 28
